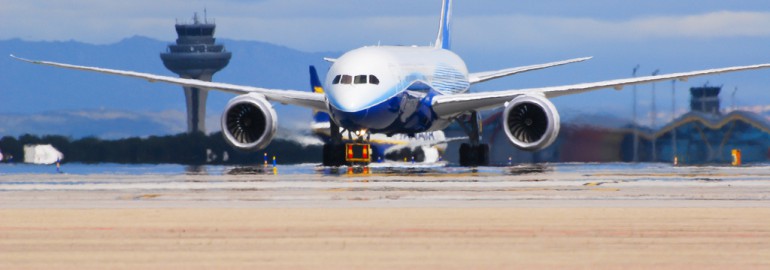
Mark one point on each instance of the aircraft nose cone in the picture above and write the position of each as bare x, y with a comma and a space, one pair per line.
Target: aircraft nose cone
374, 118
351, 100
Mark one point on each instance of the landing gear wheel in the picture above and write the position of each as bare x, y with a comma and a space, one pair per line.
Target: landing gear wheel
333, 155
474, 155
483, 155
334, 151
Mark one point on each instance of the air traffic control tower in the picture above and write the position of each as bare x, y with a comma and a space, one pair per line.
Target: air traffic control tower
196, 56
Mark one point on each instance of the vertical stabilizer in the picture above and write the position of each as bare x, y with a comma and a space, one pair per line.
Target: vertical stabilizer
320, 119
444, 40
444, 35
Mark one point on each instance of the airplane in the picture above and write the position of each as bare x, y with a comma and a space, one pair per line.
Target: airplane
403, 90
425, 147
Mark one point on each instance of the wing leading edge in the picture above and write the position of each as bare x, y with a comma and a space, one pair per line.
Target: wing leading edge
450, 105
316, 101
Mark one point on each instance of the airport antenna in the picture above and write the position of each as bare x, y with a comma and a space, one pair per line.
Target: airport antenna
732, 97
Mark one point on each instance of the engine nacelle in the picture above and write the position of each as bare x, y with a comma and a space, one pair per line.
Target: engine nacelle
531, 122
249, 122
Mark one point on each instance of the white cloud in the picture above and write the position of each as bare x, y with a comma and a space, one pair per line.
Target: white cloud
758, 109
711, 25
537, 31
103, 115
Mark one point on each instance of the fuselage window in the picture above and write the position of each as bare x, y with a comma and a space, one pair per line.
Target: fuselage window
373, 79
336, 79
360, 79
346, 79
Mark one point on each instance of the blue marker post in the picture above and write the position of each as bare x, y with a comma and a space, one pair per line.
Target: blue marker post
275, 169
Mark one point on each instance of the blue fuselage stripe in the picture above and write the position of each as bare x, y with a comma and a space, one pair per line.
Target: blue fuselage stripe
407, 112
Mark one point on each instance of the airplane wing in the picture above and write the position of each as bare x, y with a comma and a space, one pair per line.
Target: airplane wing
316, 101
450, 105
490, 75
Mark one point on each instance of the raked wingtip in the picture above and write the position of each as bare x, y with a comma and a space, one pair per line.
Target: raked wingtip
22, 59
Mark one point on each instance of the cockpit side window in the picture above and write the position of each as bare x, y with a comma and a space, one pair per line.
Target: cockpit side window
360, 79
336, 79
346, 79
373, 79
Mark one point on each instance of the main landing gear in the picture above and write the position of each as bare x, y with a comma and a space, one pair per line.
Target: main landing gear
337, 153
474, 153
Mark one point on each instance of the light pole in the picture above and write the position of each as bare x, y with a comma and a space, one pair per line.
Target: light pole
673, 117
635, 125
652, 125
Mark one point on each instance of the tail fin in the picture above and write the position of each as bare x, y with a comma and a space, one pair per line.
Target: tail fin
320, 119
444, 34
315, 82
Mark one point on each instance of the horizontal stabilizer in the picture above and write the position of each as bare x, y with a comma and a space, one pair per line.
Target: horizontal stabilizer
491, 75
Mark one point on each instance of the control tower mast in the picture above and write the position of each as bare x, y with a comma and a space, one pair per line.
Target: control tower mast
196, 56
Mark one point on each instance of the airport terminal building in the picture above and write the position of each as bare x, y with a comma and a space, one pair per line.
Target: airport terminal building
707, 135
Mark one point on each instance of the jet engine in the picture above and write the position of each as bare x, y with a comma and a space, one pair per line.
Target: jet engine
531, 122
249, 122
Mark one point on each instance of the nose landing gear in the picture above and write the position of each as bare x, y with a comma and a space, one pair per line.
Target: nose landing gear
338, 153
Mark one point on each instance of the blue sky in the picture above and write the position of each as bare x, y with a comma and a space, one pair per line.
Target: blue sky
668, 35
338, 25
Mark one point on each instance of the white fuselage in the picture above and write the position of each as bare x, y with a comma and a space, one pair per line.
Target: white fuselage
388, 89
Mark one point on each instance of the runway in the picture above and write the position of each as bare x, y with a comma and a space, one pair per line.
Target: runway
598, 216
556, 185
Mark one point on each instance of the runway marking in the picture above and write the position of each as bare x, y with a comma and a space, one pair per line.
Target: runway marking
147, 196
605, 189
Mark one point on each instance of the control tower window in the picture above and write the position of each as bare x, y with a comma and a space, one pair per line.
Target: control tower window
337, 79
346, 79
373, 79
360, 79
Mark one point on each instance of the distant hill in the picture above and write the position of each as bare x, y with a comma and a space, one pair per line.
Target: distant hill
44, 100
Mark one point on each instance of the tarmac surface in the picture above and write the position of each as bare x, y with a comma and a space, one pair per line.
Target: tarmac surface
597, 216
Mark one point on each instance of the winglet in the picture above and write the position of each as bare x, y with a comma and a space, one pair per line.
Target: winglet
20, 59
444, 34
26, 60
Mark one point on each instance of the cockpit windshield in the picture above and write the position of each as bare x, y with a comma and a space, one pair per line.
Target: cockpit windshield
358, 79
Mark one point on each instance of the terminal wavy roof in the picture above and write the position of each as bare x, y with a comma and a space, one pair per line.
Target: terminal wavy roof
711, 121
